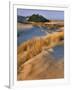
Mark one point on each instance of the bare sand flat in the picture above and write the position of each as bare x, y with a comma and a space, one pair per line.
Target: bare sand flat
21, 26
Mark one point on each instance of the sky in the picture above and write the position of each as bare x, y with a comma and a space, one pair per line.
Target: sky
49, 14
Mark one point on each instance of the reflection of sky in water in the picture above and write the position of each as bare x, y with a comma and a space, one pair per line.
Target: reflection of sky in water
28, 34
58, 52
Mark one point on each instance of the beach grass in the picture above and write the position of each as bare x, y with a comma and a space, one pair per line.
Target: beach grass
33, 47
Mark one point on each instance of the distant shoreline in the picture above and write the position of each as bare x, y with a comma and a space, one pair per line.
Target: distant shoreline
51, 24
22, 26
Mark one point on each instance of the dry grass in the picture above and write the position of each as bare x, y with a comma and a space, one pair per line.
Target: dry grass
42, 66
33, 47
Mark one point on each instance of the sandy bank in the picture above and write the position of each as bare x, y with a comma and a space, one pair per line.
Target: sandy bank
35, 60
42, 66
21, 26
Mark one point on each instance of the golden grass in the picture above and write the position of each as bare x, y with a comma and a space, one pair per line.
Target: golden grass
34, 46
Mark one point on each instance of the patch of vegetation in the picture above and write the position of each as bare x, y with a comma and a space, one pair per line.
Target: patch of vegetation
52, 27
37, 18
33, 18
33, 47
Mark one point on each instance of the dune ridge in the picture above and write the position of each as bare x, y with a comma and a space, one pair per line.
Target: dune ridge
34, 60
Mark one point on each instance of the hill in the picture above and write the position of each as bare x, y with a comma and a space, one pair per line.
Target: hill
32, 18
37, 18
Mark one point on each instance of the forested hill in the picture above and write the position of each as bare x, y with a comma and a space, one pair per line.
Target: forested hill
37, 18
32, 18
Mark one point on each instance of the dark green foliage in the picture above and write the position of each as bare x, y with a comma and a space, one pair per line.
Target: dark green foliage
33, 18
37, 18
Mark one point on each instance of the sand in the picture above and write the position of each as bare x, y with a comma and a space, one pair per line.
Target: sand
21, 26
42, 66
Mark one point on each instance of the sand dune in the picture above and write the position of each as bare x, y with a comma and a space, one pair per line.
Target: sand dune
42, 66
35, 60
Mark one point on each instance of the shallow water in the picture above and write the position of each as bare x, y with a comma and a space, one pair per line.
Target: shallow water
25, 35
58, 52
